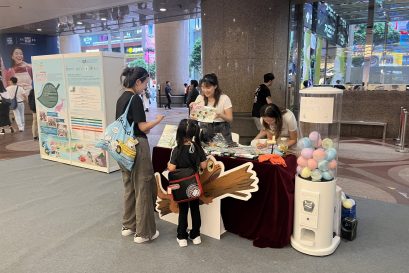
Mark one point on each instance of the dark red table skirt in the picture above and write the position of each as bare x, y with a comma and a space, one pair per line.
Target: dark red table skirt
267, 218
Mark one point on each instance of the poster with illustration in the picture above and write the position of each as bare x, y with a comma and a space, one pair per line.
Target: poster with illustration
84, 84
52, 112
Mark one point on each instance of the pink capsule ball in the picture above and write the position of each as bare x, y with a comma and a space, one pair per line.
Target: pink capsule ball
299, 169
312, 164
332, 164
301, 161
307, 153
319, 154
315, 138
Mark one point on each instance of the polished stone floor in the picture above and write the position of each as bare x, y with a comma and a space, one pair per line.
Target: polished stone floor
368, 168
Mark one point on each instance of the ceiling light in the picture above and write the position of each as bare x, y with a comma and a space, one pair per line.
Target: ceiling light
162, 9
79, 23
103, 19
39, 29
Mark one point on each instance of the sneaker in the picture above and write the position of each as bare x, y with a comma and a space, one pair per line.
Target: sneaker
197, 240
127, 231
140, 240
2, 132
182, 242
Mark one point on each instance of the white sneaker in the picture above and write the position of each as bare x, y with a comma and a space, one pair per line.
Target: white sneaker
197, 240
182, 242
126, 231
140, 240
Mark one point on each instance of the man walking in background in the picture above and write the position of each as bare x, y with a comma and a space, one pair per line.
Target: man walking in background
168, 93
262, 96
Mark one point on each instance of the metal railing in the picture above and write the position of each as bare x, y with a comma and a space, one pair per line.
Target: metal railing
402, 132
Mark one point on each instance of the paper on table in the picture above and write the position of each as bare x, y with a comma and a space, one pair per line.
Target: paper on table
168, 137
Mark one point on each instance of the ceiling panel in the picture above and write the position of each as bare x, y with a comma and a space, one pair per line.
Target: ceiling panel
71, 18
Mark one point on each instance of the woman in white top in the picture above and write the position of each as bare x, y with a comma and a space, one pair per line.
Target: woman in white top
14, 90
277, 122
212, 95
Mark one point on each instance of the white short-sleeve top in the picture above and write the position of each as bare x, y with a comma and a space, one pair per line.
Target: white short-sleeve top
289, 124
224, 103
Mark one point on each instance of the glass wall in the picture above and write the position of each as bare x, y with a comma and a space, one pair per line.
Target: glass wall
359, 45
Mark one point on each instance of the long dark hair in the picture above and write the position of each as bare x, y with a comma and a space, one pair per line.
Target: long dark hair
13, 63
273, 111
188, 129
2, 88
211, 80
131, 74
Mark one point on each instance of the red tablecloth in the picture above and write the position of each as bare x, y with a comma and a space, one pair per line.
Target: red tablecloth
267, 218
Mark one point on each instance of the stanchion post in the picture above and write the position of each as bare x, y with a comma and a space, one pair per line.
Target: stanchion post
398, 139
402, 148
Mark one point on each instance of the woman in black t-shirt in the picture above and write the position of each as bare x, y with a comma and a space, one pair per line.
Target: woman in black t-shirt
139, 184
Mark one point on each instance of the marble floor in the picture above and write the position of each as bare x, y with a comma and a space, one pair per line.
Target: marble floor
367, 168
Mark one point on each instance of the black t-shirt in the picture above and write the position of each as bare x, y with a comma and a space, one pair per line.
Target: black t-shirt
260, 99
136, 111
184, 157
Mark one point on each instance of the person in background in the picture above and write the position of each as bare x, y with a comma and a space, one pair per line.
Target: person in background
145, 98
139, 183
186, 88
262, 96
16, 91
278, 123
193, 93
213, 96
168, 92
32, 105
4, 110
188, 153
20, 70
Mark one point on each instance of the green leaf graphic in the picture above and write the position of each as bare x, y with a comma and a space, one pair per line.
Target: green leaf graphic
49, 96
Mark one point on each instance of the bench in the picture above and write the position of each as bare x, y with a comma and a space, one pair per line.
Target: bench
369, 123
177, 100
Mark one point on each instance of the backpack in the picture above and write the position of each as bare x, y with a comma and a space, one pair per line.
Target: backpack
13, 101
119, 140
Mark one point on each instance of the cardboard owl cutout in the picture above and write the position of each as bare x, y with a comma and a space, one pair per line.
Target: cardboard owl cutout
217, 183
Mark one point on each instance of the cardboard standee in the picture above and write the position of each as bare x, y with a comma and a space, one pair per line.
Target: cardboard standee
217, 184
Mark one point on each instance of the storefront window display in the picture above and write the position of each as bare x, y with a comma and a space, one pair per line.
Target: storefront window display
332, 43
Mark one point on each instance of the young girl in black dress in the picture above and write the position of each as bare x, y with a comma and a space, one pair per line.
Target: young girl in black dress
188, 154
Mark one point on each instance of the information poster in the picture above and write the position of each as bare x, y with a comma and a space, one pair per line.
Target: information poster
52, 114
84, 79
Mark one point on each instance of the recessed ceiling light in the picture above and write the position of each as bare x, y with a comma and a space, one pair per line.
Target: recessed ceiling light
79, 23
162, 9
103, 19
39, 29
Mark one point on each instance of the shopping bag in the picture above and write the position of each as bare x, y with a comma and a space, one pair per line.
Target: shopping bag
119, 140
185, 185
13, 101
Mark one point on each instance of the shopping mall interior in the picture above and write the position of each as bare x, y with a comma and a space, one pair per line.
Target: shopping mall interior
58, 217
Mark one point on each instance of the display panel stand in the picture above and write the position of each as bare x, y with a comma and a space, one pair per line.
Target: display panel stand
75, 99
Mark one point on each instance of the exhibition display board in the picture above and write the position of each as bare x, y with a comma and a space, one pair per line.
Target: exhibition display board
75, 99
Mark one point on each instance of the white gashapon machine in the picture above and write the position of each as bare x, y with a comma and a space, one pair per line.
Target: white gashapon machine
317, 198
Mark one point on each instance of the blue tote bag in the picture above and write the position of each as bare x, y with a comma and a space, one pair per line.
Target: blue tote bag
119, 140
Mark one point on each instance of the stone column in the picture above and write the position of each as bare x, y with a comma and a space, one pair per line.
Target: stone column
242, 41
172, 55
70, 44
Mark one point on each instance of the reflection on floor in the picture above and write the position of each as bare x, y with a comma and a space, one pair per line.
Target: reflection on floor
367, 168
